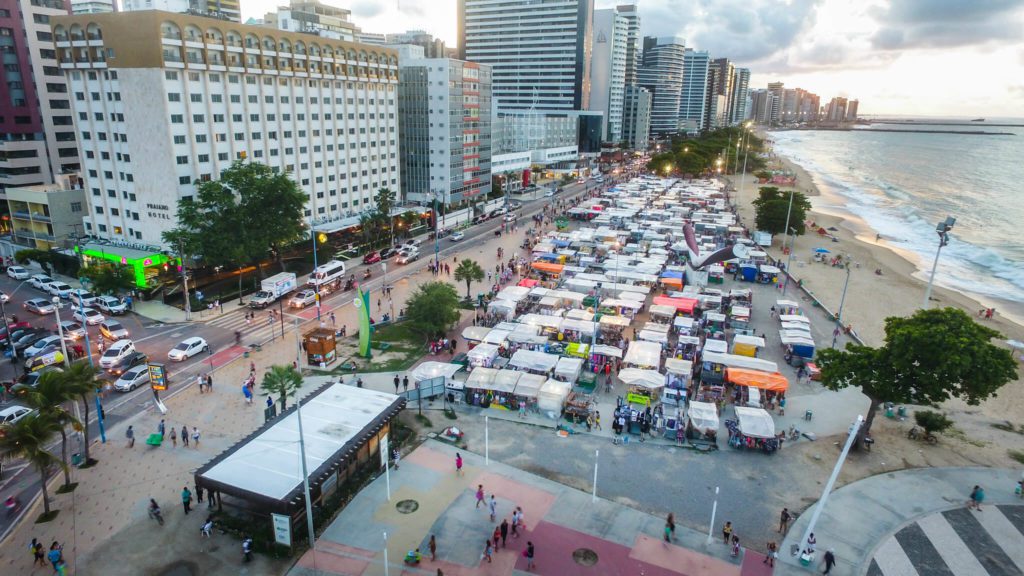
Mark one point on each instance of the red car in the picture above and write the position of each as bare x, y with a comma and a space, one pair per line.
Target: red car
371, 258
14, 326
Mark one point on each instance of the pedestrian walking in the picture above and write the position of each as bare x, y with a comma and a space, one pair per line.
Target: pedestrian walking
395, 455
784, 519
811, 543
247, 549
184, 436
199, 494
209, 383
479, 495
209, 499
496, 536
487, 551
130, 435
530, 552
160, 429
200, 382
333, 320
492, 505
735, 546
55, 555
174, 437
195, 437
458, 464
670, 527
38, 555
247, 393
830, 560
405, 383
515, 523
977, 497
772, 555
504, 532
433, 547
396, 383
186, 499
727, 532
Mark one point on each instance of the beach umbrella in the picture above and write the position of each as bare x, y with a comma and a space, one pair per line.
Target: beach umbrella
1015, 344
822, 251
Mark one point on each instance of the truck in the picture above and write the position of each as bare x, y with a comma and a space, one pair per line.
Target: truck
273, 289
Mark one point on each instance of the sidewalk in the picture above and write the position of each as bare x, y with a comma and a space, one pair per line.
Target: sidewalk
572, 533
860, 516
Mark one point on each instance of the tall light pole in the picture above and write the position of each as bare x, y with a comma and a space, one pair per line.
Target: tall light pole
842, 301
437, 230
63, 348
789, 260
10, 342
305, 478
831, 482
88, 354
942, 229
714, 510
184, 279
316, 281
746, 150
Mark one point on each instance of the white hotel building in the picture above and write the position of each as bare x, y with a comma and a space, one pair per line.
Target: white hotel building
163, 101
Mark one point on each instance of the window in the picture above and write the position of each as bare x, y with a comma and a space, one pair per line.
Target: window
204, 158
181, 160
76, 206
173, 97
184, 179
200, 138
170, 75
196, 98
177, 119
198, 118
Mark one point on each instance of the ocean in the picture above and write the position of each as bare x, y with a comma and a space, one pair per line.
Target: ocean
900, 185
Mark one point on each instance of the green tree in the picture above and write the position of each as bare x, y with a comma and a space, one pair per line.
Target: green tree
927, 359
41, 257
47, 397
108, 277
433, 309
931, 421
772, 208
284, 381
81, 380
469, 271
27, 439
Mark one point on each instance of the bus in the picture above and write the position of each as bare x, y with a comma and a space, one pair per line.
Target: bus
327, 273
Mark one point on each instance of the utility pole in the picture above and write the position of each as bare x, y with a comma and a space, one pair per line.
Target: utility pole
184, 279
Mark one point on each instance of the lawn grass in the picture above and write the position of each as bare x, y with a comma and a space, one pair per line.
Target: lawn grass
407, 347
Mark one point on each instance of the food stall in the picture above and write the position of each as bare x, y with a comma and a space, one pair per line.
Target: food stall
767, 274
320, 347
534, 362
568, 369
528, 389
643, 386
682, 325
644, 355
474, 335
552, 396
478, 385
744, 345
677, 380
702, 423
662, 314
753, 429
482, 355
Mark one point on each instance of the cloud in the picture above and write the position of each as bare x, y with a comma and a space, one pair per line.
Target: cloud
909, 24
368, 8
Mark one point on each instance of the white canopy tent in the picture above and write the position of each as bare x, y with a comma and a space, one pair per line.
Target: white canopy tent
482, 355
481, 378
497, 337
651, 379
502, 308
428, 370
552, 396
475, 333
716, 346
529, 385
703, 416
755, 422
737, 361
643, 354
534, 361
569, 369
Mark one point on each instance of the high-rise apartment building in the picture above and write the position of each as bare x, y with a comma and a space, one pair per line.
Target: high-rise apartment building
634, 47
693, 98
662, 74
836, 110
92, 6
740, 95
851, 110
724, 91
608, 70
714, 101
432, 47
222, 9
538, 50
636, 117
164, 101
790, 105
314, 17
444, 108
37, 128
776, 89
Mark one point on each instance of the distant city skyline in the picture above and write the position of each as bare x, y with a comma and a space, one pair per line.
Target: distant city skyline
895, 57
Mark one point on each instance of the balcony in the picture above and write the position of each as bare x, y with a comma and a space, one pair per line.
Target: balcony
36, 216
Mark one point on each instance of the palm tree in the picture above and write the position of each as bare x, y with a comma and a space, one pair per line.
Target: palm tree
27, 438
469, 271
282, 380
80, 379
48, 397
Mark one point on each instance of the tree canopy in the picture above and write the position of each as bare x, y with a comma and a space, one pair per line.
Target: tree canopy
927, 359
772, 208
701, 154
433, 309
108, 277
284, 381
468, 271
237, 219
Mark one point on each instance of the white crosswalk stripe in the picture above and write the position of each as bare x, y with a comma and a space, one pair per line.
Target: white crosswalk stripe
258, 331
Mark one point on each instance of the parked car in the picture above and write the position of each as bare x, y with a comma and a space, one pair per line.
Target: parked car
132, 379
41, 344
302, 298
549, 193
14, 326
59, 289
88, 316
39, 281
111, 305
52, 357
29, 338
39, 306
4, 297
408, 255
113, 330
83, 298
72, 329
17, 273
388, 253
510, 217
458, 235
18, 333
13, 413
372, 258
117, 351
188, 348
129, 361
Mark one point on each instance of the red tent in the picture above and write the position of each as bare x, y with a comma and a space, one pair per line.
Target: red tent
684, 305
528, 282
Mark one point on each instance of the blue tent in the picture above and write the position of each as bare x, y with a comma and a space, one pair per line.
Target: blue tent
672, 274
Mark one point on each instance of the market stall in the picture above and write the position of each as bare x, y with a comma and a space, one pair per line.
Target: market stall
753, 429
552, 396
568, 369
662, 314
739, 318
643, 386
767, 274
787, 308
478, 385
683, 325
744, 345
535, 362
642, 354
320, 347
430, 370
482, 355
474, 335
702, 422
505, 309
683, 305
677, 380
528, 389
687, 347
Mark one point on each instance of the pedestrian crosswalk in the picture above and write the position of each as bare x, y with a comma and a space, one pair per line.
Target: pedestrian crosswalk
958, 542
259, 330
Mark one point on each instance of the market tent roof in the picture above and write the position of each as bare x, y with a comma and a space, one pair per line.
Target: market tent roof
740, 311
513, 293
536, 361
795, 326
498, 306
748, 340
505, 381
528, 282
569, 368
646, 378
643, 353
703, 415
580, 314
653, 336
527, 338
552, 395
681, 321
428, 370
712, 345
475, 333
483, 352
605, 350
529, 384
794, 318
481, 378
662, 310
677, 366
611, 320
685, 305
581, 326
773, 381
547, 267
737, 361
755, 422
541, 320
497, 337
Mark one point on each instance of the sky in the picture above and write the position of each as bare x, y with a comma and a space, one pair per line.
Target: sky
919, 57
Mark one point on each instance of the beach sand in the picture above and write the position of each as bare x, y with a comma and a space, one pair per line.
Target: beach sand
871, 298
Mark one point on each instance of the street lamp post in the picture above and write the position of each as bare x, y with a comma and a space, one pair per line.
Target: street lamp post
100, 420
437, 230
316, 281
10, 342
64, 349
789, 260
942, 229
854, 429
842, 301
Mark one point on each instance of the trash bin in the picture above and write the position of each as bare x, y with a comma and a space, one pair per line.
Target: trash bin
902, 411
76, 459
808, 415
245, 354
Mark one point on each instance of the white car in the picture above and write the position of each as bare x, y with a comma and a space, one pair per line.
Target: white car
88, 316
408, 255
117, 351
4, 297
510, 217
188, 348
302, 299
39, 345
39, 281
549, 193
113, 330
39, 306
133, 378
72, 329
13, 413
17, 273
111, 305
83, 298
60, 289
457, 236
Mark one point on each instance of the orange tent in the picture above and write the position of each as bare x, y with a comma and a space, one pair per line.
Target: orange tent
773, 381
684, 305
528, 282
547, 267
672, 281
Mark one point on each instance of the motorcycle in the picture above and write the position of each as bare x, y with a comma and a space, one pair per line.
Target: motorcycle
350, 283
367, 273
